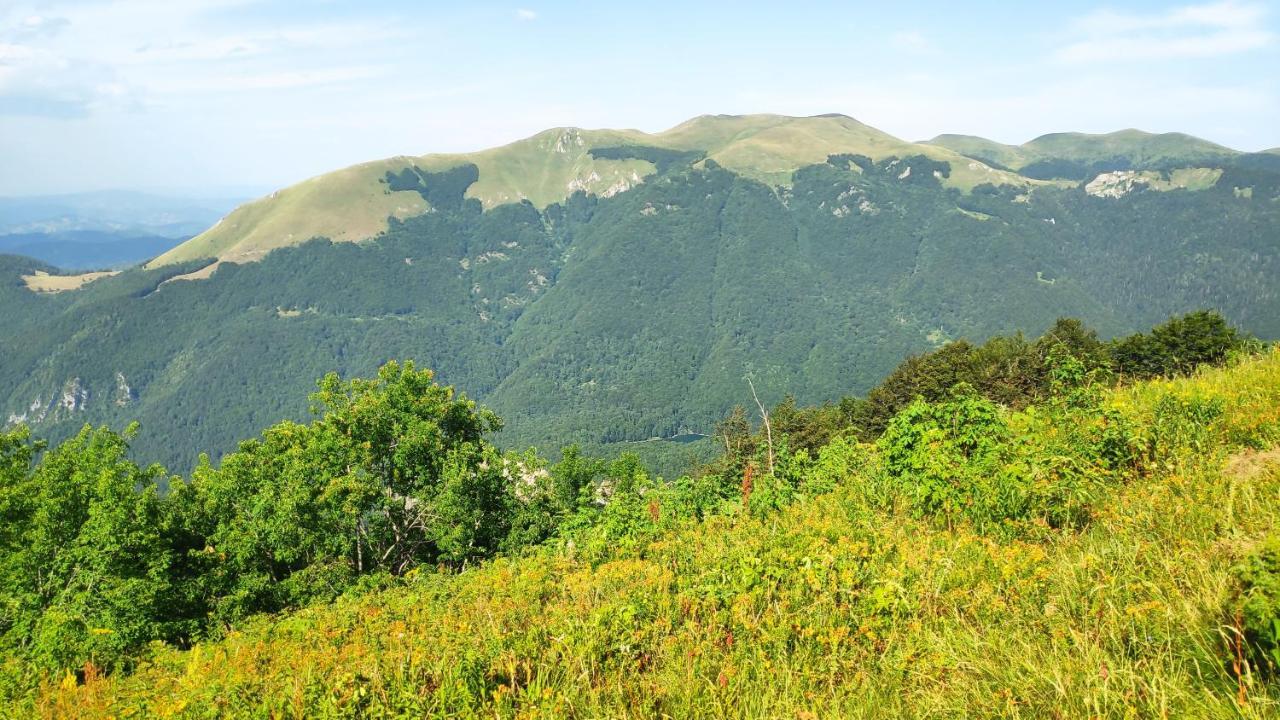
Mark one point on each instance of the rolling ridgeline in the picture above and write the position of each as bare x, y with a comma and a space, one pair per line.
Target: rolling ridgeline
642, 278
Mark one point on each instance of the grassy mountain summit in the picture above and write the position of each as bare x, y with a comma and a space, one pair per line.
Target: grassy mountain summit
1138, 146
1078, 156
989, 151
355, 203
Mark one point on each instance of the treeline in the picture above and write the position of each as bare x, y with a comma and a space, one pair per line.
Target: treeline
396, 476
1009, 370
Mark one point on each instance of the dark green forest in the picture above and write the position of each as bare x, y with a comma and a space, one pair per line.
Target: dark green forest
606, 322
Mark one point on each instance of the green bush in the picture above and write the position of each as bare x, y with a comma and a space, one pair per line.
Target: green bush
945, 456
1259, 577
1177, 346
1182, 424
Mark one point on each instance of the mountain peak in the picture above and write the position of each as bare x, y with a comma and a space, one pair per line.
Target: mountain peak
1135, 147
355, 203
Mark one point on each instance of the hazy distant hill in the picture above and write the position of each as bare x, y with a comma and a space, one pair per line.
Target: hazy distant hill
103, 229
88, 249
612, 286
113, 211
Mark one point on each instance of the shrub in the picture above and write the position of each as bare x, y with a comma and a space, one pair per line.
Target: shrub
1183, 424
1177, 346
945, 455
1259, 577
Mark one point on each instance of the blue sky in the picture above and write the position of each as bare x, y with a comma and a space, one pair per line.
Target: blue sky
241, 96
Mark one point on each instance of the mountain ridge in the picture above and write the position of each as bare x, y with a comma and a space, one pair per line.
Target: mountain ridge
604, 320
1081, 156
353, 203
615, 316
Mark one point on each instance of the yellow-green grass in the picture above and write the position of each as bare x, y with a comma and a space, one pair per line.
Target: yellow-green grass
42, 282
1192, 179
1010, 156
1138, 146
771, 147
352, 204
832, 607
548, 167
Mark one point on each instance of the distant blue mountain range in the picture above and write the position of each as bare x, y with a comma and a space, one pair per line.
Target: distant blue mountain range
106, 229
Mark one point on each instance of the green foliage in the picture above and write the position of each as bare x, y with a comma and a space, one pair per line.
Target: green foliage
945, 458
1176, 346
1183, 423
962, 458
1259, 608
1009, 370
394, 474
842, 601
442, 190
85, 557
662, 158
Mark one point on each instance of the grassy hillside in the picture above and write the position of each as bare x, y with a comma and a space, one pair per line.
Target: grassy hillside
349, 204
989, 151
1080, 156
354, 203
840, 597
1141, 147
771, 147
42, 282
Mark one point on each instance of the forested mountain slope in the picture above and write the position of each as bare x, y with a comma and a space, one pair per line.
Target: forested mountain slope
606, 317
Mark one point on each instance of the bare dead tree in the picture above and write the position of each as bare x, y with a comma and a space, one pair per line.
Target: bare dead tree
764, 414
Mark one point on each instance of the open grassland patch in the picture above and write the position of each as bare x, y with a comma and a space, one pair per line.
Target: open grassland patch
42, 282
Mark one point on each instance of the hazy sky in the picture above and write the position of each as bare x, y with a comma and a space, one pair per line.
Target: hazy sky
213, 96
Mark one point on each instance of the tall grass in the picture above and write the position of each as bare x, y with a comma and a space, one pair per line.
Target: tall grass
836, 606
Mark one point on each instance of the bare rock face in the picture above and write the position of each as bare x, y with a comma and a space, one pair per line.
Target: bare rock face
1115, 184
124, 394
71, 399
75, 396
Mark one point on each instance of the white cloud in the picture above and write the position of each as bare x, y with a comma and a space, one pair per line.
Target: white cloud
34, 26
38, 82
1194, 31
526, 14
69, 59
199, 47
